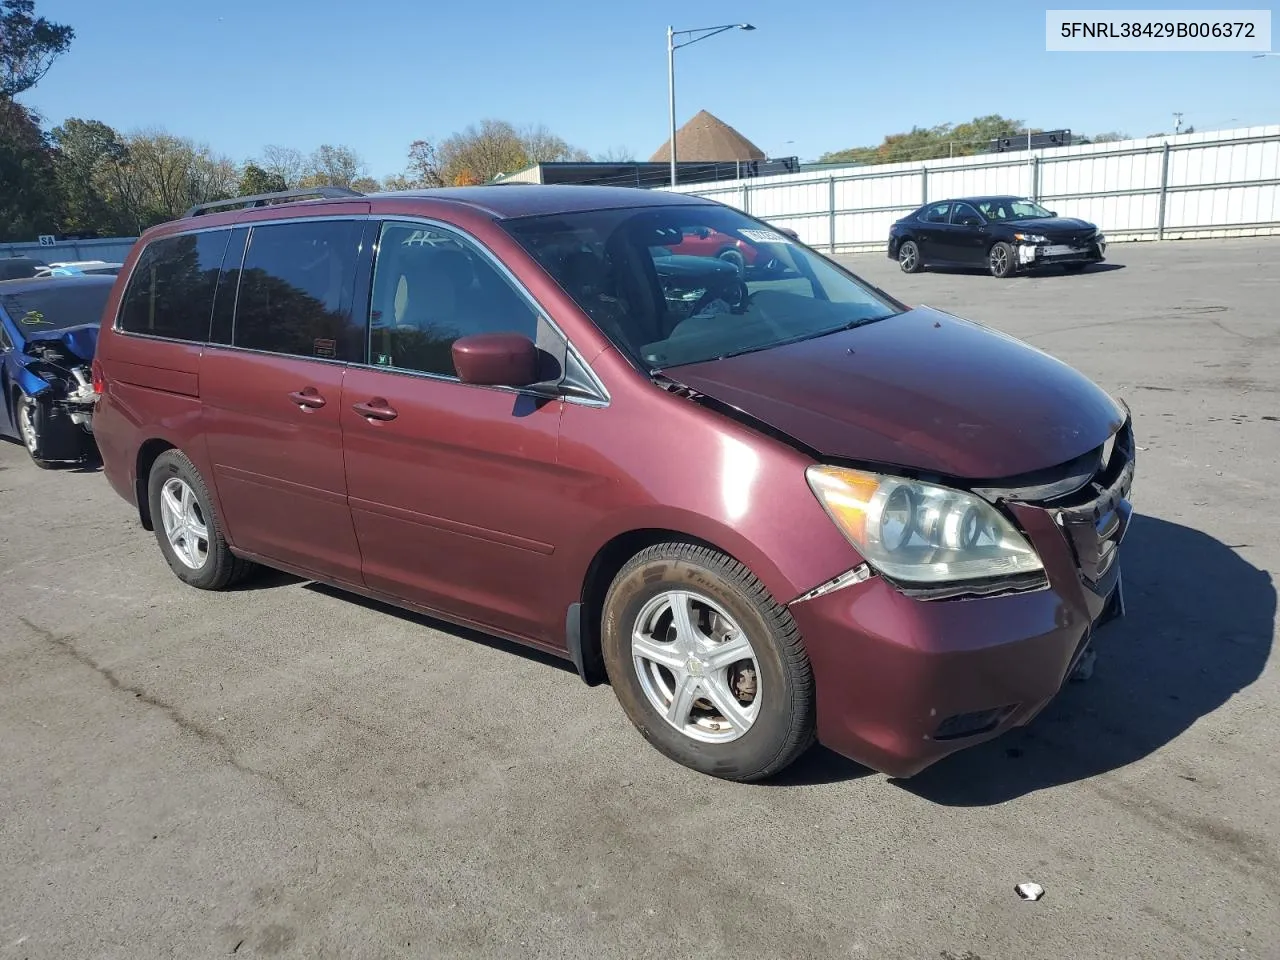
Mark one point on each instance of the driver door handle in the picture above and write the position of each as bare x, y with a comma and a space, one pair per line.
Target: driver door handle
308, 398
376, 409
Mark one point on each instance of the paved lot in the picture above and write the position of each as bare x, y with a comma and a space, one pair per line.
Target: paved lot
283, 771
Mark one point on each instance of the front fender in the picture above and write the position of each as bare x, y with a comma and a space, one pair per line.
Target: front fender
30, 384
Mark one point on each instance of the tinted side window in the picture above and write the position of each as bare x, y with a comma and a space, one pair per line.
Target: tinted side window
961, 211
429, 289
4, 339
936, 213
295, 290
170, 292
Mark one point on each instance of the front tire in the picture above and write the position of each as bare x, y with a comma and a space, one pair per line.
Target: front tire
1001, 261
24, 408
187, 527
909, 257
706, 664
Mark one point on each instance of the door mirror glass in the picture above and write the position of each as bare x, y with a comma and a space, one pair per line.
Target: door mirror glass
496, 359
1052, 213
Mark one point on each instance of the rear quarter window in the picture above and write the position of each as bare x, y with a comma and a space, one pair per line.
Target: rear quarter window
170, 292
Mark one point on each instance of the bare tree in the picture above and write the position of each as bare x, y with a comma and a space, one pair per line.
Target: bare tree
543, 146
424, 165
332, 166
287, 163
617, 155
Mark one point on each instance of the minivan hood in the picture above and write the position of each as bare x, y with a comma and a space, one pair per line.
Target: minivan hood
922, 390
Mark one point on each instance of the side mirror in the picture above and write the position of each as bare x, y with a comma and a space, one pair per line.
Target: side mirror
1052, 213
496, 359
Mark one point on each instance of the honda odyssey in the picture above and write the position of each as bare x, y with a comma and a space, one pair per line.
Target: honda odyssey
768, 507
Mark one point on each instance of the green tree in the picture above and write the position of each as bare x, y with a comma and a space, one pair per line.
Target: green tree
929, 143
28, 46
255, 180
87, 153
365, 185
29, 196
481, 152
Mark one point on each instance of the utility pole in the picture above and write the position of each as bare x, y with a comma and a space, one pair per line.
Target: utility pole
1177, 123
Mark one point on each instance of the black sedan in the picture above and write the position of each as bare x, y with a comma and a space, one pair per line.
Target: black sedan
1005, 234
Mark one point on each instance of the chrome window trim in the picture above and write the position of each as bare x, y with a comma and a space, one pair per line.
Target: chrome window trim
521, 291
603, 400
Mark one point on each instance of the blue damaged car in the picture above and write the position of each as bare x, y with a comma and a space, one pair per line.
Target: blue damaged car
48, 335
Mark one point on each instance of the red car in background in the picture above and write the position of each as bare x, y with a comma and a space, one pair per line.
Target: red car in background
704, 242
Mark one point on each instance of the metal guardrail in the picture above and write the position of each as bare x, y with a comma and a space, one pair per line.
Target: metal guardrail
1034, 163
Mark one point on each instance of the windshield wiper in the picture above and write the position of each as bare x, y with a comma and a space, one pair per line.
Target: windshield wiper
860, 322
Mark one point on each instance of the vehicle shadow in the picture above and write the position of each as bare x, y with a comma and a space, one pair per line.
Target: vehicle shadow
1044, 272
1199, 628
432, 623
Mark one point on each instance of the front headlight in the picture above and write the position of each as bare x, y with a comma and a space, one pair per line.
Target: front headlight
918, 532
1030, 238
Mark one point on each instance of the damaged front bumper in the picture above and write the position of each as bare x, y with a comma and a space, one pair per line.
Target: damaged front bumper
55, 375
1039, 254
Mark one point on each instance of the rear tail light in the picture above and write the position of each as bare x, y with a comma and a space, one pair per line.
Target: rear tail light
99, 384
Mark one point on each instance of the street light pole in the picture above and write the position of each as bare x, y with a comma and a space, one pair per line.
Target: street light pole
701, 33
671, 96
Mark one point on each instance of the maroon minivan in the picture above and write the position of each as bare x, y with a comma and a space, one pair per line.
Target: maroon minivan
766, 506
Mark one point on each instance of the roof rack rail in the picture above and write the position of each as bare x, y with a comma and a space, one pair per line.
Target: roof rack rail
263, 199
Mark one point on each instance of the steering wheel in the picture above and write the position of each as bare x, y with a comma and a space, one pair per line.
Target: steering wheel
735, 294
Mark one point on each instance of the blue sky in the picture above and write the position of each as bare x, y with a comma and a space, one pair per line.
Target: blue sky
815, 75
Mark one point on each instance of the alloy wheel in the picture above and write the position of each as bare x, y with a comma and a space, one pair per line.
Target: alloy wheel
696, 666
27, 424
907, 257
184, 524
999, 260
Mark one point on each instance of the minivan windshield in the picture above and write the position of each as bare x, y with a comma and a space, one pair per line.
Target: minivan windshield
685, 284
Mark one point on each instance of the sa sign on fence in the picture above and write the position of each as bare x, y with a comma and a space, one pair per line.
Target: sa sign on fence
47, 239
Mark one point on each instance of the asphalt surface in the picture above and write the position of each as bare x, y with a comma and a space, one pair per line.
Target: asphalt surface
286, 772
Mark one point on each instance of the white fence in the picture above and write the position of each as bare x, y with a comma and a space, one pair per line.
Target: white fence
111, 249
1222, 183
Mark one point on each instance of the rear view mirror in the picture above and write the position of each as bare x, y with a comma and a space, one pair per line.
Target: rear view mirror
496, 359
789, 232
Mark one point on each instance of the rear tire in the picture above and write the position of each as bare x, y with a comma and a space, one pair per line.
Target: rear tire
725, 687
1001, 261
187, 526
909, 257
